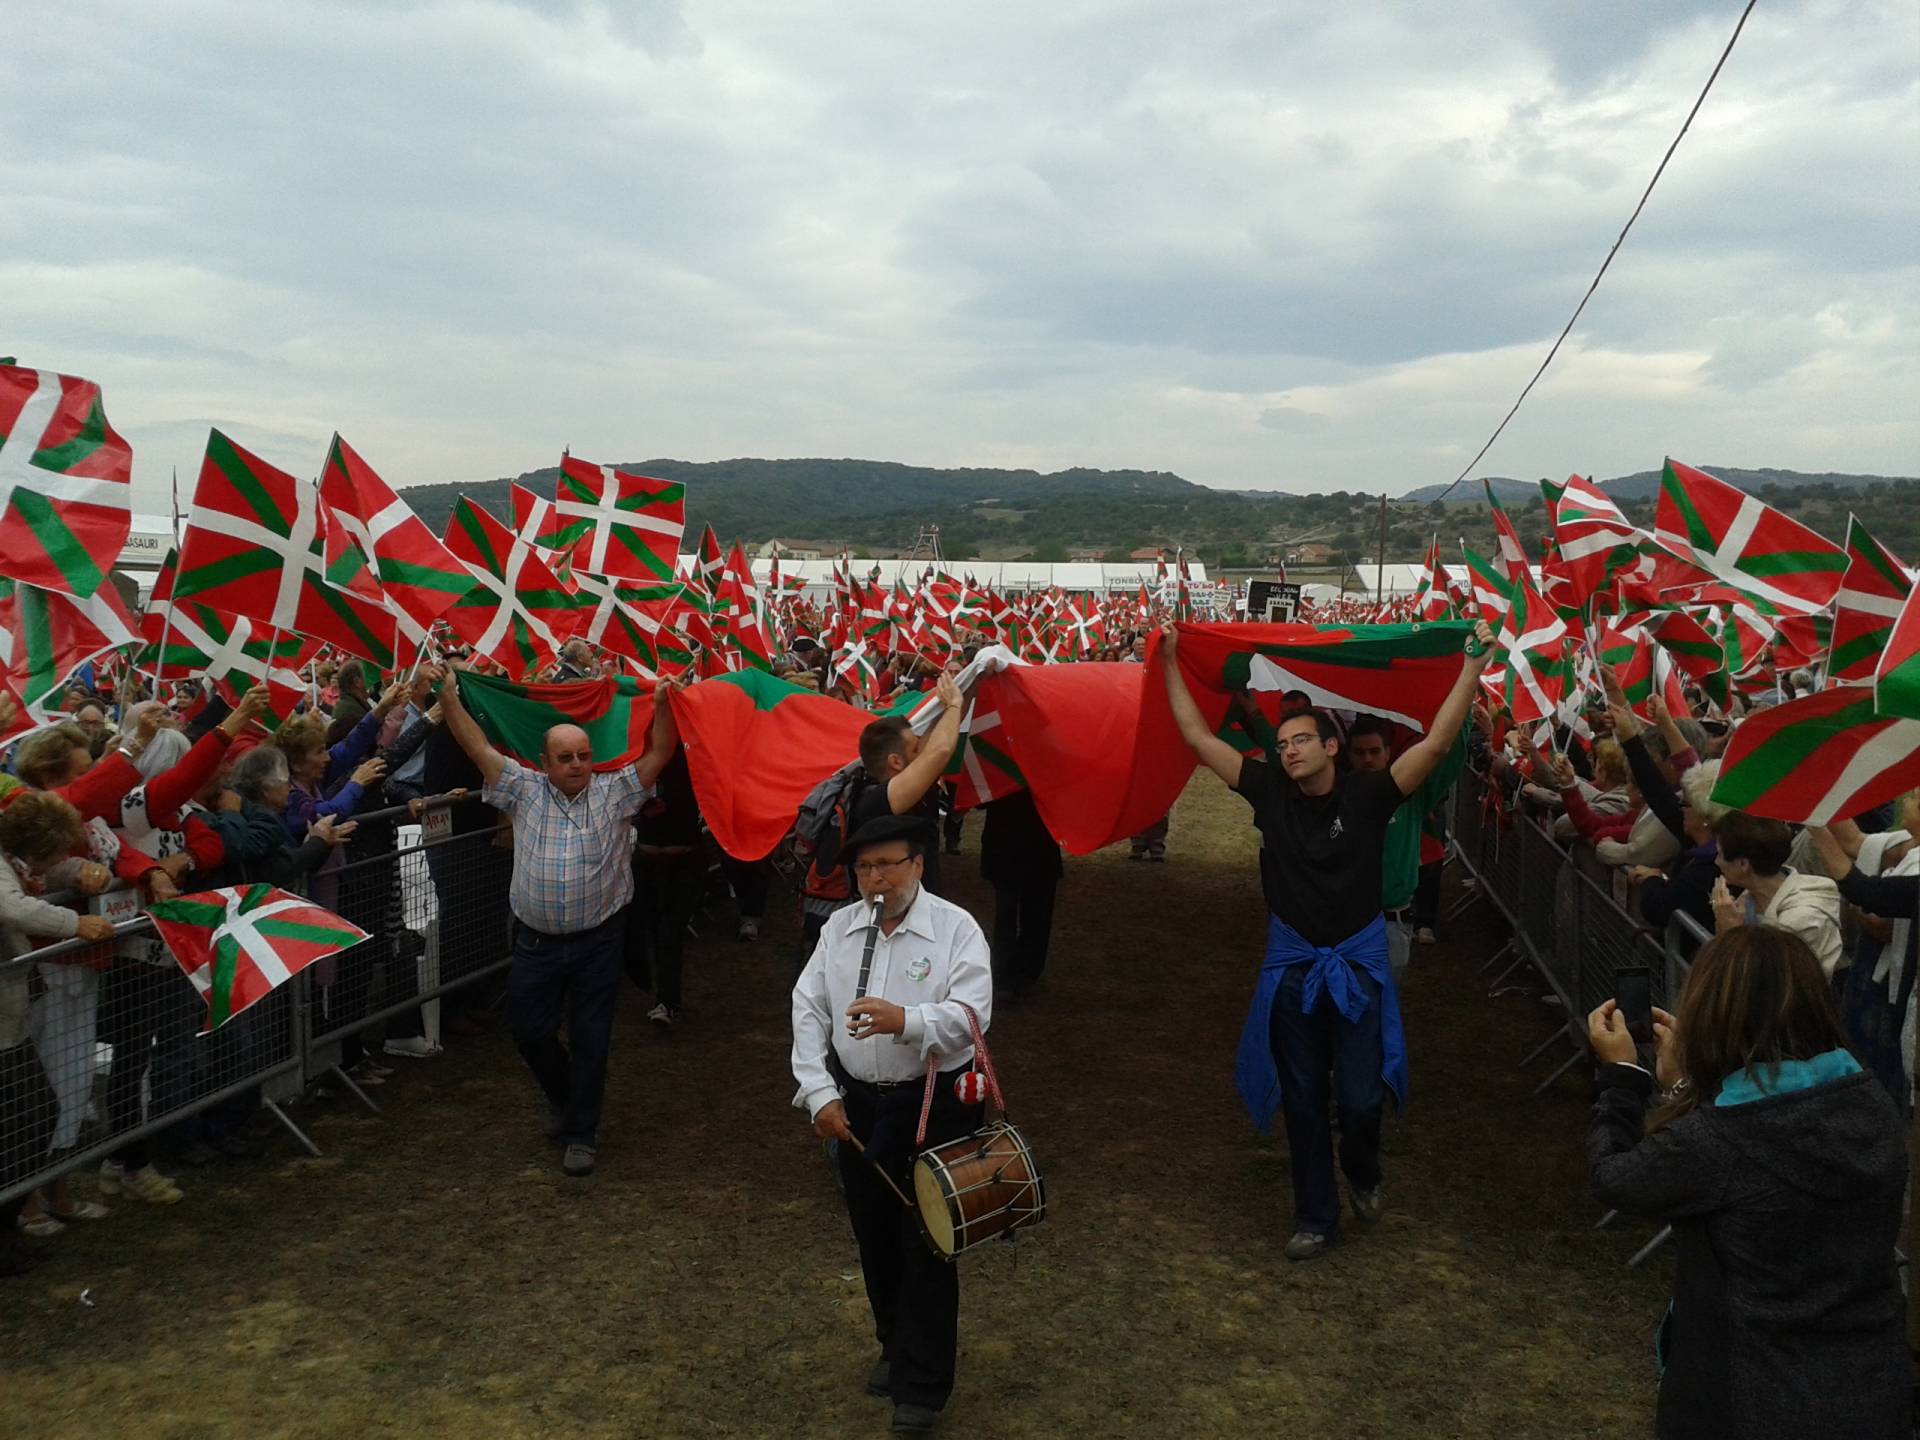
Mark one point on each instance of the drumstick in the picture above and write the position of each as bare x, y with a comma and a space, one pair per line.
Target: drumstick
898, 1193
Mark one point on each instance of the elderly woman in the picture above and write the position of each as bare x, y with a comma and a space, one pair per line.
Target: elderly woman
1686, 885
1781, 1165
39, 834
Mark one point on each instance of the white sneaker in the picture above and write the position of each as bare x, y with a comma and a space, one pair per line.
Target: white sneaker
113, 1177
1423, 935
663, 1015
150, 1185
414, 1047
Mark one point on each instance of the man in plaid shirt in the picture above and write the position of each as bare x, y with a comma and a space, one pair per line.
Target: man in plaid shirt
572, 879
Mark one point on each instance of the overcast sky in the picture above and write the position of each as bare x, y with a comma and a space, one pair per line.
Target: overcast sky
1294, 246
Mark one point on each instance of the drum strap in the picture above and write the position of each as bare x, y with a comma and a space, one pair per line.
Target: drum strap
983, 1058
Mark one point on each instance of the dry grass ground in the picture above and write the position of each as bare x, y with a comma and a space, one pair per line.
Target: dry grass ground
435, 1274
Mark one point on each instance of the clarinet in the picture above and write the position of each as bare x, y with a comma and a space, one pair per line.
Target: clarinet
875, 905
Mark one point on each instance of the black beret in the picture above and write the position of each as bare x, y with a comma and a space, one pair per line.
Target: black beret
881, 829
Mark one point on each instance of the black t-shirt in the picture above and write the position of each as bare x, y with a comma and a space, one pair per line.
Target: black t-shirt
871, 804
1320, 860
671, 815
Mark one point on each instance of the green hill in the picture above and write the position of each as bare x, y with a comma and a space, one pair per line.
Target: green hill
877, 507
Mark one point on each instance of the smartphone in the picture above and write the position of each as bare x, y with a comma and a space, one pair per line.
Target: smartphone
1633, 997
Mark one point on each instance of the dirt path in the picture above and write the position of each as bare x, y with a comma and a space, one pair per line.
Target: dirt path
436, 1275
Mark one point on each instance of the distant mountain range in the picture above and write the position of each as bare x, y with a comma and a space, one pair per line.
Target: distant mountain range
1645, 484
878, 507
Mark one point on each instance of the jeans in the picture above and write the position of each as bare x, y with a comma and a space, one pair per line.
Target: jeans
1399, 946
1306, 1050
576, 978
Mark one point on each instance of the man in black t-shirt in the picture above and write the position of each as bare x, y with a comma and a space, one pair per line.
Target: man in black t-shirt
903, 771
1325, 1004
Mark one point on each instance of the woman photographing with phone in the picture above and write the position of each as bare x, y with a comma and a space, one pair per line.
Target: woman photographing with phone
1781, 1164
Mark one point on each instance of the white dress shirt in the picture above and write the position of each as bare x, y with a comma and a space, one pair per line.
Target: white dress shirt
935, 958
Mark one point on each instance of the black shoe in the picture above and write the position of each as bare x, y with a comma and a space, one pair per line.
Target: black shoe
880, 1378
914, 1420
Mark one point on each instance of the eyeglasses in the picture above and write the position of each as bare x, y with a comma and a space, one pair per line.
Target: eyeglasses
1299, 742
868, 869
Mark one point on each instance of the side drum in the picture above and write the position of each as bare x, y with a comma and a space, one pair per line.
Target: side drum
977, 1187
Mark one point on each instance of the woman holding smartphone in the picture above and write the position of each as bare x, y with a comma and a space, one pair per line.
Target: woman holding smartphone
1781, 1164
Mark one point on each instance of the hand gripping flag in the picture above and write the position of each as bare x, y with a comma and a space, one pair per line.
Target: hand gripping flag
239, 945
633, 523
1822, 757
65, 479
517, 613
1745, 542
1872, 593
184, 640
46, 635
418, 575
254, 546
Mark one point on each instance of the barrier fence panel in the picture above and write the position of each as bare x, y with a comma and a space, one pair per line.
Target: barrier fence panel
435, 912
113, 1056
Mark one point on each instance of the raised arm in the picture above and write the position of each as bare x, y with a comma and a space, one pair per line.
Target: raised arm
664, 738
1418, 760
909, 787
1216, 754
467, 733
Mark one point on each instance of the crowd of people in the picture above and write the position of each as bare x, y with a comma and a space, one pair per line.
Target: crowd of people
1795, 1029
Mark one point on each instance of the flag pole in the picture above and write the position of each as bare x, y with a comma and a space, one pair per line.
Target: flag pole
166, 621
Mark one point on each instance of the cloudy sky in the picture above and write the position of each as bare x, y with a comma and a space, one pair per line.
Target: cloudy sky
1293, 246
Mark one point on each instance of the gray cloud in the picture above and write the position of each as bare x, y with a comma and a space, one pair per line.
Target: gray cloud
1295, 244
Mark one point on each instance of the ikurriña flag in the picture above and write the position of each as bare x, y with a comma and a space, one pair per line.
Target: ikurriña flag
1823, 757
239, 945
1745, 542
65, 482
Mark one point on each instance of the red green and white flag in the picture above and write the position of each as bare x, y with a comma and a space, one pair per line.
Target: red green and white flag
1594, 539
740, 601
632, 523
240, 944
65, 482
1746, 543
615, 711
254, 546
1896, 681
1508, 551
1872, 593
418, 576
1433, 600
1822, 757
624, 618
1492, 592
46, 635
535, 521
1533, 637
184, 640
518, 613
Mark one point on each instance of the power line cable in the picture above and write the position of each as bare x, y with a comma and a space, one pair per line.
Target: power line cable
1615, 250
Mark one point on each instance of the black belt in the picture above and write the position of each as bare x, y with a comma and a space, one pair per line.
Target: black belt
1404, 915
885, 1087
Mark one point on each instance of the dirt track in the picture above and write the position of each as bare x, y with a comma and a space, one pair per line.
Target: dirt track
436, 1275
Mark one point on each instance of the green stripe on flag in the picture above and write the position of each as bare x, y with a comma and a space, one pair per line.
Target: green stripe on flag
69, 556
312, 934
1774, 760
463, 516
226, 968
246, 484
242, 564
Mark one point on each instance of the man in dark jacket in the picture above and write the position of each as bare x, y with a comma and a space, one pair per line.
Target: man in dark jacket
1021, 860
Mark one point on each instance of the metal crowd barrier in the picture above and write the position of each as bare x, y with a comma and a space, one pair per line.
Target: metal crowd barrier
114, 1055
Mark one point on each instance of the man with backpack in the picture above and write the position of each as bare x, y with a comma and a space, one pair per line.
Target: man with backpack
896, 774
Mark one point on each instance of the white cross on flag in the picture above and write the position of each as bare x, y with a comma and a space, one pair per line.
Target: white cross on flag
634, 522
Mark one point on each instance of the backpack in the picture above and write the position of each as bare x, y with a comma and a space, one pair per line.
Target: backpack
820, 832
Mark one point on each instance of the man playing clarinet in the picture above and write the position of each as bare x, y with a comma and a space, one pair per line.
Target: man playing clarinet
885, 989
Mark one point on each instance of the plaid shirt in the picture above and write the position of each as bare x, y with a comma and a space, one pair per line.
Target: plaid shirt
572, 859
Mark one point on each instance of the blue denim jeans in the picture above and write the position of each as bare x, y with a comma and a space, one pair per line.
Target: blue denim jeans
576, 978
1307, 1051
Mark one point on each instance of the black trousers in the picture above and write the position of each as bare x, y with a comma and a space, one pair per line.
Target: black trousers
28, 1111
1426, 895
915, 1294
750, 881
666, 891
1022, 926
